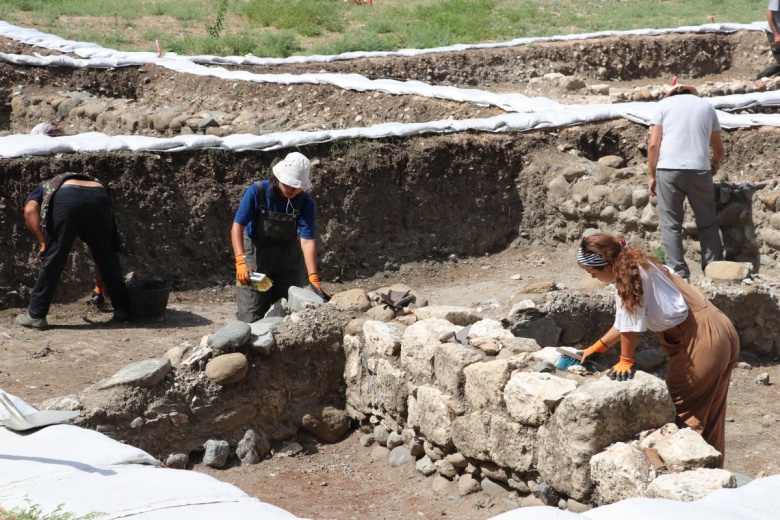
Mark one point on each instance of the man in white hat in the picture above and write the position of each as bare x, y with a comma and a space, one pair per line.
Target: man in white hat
273, 233
683, 129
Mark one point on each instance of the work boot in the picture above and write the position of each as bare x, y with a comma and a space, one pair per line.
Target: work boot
25, 320
121, 316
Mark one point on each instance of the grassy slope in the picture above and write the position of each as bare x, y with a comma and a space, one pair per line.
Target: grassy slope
286, 27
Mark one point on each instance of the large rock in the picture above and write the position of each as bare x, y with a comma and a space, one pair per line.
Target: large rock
325, 422
227, 369
233, 335
728, 271
418, 347
488, 328
353, 300
531, 397
682, 448
591, 418
145, 373
620, 472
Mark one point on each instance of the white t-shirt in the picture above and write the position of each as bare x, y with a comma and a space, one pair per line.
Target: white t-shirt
663, 307
687, 122
774, 6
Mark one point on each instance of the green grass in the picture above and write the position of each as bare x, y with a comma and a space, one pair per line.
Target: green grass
281, 28
35, 512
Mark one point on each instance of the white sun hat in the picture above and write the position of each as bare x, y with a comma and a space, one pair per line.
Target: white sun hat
294, 171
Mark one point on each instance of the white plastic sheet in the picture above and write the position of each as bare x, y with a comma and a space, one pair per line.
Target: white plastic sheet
87, 472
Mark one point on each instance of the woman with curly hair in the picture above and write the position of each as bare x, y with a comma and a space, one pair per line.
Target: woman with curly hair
699, 340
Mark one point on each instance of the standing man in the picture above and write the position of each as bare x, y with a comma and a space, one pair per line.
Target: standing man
683, 129
773, 35
57, 211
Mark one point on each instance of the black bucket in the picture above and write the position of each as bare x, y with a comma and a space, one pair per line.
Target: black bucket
148, 299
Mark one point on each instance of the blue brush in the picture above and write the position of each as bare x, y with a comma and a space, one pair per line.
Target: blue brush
568, 359
565, 362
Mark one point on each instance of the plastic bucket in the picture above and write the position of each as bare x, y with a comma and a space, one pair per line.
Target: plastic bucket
148, 298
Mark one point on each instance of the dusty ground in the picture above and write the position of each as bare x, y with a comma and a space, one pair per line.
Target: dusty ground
341, 481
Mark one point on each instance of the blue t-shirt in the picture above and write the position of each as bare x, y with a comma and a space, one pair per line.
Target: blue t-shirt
250, 204
36, 195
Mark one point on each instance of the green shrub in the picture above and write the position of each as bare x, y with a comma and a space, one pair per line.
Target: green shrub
659, 253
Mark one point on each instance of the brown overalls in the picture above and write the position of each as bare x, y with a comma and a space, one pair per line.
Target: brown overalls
702, 352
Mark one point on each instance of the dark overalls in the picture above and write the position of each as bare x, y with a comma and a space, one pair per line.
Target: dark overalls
276, 252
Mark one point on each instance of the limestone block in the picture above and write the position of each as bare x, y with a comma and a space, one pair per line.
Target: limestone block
620, 472
490, 436
690, 485
613, 161
227, 369
600, 173
531, 397
434, 415
488, 328
728, 271
382, 339
456, 315
354, 300
629, 217
418, 347
449, 361
592, 417
682, 447
93, 110
485, 383
391, 392
412, 413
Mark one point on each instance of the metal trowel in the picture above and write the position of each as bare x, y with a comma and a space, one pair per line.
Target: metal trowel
19, 422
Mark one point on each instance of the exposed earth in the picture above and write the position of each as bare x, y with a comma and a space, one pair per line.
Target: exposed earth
190, 198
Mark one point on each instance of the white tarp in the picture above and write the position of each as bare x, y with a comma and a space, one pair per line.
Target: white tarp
757, 500
87, 472
524, 113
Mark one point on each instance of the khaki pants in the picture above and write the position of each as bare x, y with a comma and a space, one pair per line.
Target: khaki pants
702, 353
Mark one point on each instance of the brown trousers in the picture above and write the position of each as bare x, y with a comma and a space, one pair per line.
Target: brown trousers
702, 353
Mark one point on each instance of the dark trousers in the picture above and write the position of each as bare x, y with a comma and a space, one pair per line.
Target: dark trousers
774, 68
284, 265
86, 213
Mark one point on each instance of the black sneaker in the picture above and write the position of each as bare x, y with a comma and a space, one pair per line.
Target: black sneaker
96, 299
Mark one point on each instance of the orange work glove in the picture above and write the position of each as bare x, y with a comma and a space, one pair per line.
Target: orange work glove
314, 281
42, 252
624, 370
594, 351
242, 271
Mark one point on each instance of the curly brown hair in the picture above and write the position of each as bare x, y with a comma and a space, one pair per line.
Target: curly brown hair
625, 261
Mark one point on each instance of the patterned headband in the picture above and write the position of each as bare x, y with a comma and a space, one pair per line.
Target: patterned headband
588, 259
591, 259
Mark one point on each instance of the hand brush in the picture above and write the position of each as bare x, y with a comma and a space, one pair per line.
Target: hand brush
257, 281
